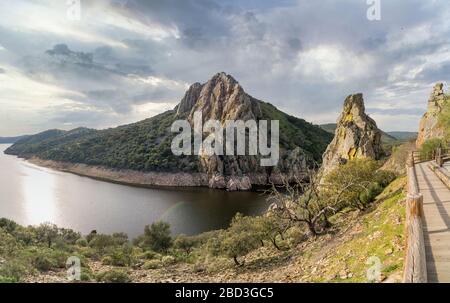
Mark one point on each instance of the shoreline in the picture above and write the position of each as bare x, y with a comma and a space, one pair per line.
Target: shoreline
156, 180
126, 177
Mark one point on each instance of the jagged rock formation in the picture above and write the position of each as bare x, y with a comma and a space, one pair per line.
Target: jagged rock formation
356, 136
222, 99
429, 127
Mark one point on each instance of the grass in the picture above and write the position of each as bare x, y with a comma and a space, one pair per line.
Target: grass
379, 234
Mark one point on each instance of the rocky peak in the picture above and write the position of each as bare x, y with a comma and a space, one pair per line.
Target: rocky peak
189, 99
223, 98
428, 127
356, 136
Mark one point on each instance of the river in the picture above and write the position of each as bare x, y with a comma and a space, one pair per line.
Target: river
31, 195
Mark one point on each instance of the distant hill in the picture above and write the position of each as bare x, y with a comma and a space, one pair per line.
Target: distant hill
403, 135
10, 140
145, 145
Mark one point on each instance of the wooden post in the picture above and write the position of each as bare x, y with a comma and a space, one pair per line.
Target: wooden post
439, 157
415, 270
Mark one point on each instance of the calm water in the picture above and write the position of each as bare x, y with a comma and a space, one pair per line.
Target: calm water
30, 195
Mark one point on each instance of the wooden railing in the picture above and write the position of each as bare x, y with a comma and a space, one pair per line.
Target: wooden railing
440, 155
415, 269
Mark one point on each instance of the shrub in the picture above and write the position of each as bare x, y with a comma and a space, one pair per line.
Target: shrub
152, 264
46, 259
14, 270
82, 242
185, 243
8, 225
24, 235
429, 146
7, 280
157, 237
119, 257
236, 241
120, 238
69, 236
149, 255
348, 183
113, 276
85, 277
107, 260
168, 260
47, 233
100, 242
43, 263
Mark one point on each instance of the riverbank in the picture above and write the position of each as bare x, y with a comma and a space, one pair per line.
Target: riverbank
159, 179
126, 177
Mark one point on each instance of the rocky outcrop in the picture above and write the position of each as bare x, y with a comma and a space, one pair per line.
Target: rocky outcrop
222, 98
429, 127
356, 136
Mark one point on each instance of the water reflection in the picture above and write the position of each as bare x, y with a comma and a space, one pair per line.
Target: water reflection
38, 188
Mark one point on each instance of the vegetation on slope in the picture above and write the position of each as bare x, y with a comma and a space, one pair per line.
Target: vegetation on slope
297, 132
145, 145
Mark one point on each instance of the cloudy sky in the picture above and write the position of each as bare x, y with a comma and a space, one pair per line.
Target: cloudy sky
125, 60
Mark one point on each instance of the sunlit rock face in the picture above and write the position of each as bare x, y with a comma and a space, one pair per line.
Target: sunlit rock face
356, 136
429, 127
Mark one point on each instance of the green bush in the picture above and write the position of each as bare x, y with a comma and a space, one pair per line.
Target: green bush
15, 270
82, 242
47, 233
45, 259
152, 264
113, 276
107, 260
348, 183
119, 257
7, 280
149, 255
185, 243
237, 241
8, 225
157, 237
101, 242
168, 260
429, 147
44, 263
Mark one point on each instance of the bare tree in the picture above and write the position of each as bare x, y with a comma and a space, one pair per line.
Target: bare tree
302, 201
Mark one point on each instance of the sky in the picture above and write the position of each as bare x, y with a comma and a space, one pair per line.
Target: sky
113, 62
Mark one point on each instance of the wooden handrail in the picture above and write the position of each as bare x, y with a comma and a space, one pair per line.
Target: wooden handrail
415, 270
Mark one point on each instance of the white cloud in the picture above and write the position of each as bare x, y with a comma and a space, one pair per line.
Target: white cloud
332, 63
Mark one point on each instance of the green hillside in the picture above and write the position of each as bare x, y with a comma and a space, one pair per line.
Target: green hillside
145, 145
